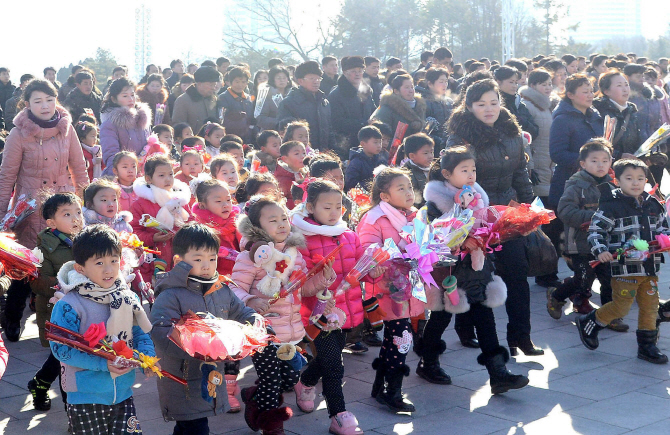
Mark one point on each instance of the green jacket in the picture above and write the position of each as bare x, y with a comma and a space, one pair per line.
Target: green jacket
56, 253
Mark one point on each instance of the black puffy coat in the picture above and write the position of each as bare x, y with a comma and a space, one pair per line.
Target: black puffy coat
499, 154
517, 108
6, 92
313, 108
350, 110
76, 102
440, 110
631, 138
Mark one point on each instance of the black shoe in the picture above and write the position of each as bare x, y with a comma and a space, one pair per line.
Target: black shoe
40, 393
468, 338
432, 372
378, 384
501, 378
646, 347
393, 397
588, 330
13, 331
524, 345
356, 348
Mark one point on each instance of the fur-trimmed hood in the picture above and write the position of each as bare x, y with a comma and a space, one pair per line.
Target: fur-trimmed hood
465, 125
253, 234
152, 99
442, 195
28, 128
539, 100
397, 104
69, 278
130, 118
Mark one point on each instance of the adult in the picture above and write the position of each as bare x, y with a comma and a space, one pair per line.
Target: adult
646, 98
222, 64
167, 73
426, 59
522, 67
150, 69
153, 92
117, 73
69, 83
177, 66
507, 78
6, 87
329, 77
182, 85
12, 105
197, 105
351, 104
280, 85
571, 63
438, 105
597, 68
238, 113
559, 74
126, 122
371, 77
393, 64
42, 152
308, 102
83, 97
50, 74
402, 104
494, 137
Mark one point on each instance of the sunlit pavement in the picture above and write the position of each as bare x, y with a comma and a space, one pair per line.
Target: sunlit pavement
572, 390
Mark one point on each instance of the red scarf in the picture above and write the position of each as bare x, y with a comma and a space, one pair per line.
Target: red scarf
225, 228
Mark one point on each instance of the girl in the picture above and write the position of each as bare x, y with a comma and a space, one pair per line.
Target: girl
165, 200
320, 220
298, 131
479, 291
393, 208
124, 166
224, 168
236, 150
267, 222
191, 164
181, 131
258, 183
101, 206
212, 133
195, 143
88, 137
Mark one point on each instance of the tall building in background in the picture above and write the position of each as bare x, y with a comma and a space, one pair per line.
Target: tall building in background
605, 19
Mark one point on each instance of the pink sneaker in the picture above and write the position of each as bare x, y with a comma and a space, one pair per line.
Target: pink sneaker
344, 423
304, 397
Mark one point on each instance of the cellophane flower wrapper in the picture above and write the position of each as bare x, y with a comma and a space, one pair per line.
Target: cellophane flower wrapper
453, 227
373, 256
23, 207
360, 201
519, 219
18, 261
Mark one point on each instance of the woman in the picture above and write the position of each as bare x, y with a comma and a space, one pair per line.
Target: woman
507, 78
494, 137
154, 92
125, 122
438, 105
42, 154
559, 74
267, 106
401, 104
260, 78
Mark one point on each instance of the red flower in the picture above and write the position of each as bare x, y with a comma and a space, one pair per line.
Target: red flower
281, 266
122, 349
95, 333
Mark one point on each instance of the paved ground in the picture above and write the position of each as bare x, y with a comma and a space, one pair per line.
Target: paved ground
572, 389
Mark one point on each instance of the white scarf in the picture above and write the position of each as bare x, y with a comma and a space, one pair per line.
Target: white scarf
309, 229
172, 213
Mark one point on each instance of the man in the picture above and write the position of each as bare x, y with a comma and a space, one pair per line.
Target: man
197, 105
444, 58
308, 102
487, 62
69, 84
167, 72
426, 60
177, 67
82, 97
351, 104
329, 78
393, 64
50, 74
222, 65
11, 106
6, 87
371, 76
117, 73
274, 62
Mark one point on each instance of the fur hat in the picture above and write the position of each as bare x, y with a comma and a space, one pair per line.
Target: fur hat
206, 74
309, 67
351, 62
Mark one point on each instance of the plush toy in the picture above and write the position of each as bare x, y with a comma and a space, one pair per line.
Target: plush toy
467, 198
211, 379
153, 146
277, 264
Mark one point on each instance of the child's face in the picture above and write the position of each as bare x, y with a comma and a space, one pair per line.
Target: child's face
328, 208
215, 137
102, 271
372, 146
106, 203
91, 138
238, 155
274, 221
266, 189
597, 163
191, 166
228, 174
424, 156
187, 132
67, 219
239, 84
386, 140
301, 135
336, 176
295, 157
464, 173
400, 193
163, 178
126, 171
165, 138
202, 262
219, 202
272, 147
632, 181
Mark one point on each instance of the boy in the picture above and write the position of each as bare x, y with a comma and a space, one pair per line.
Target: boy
269, 142
290, 168
236, 150
387, 136
99, 394
193, 284
420, 149
577, 206
82, 97
624, 214
364, 159
62, 213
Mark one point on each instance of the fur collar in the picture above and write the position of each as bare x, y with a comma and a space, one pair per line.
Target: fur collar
131, 118
442, 195
195, 95
147, 191
152, 99
69, 278
310, 227
28, 128
253, 234
541, 101
398, 105
464, 125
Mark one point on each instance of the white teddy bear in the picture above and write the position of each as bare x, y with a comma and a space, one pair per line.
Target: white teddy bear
277, 264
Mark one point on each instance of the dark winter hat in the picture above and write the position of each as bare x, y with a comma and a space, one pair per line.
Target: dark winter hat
351, 62
392, 61
309, 67
206, 74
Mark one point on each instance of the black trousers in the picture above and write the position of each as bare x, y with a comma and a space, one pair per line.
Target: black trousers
274, 377
16, 301
198, 426
480, 316
553, 230
396, 343
512, 266
50, 371
329, 367
583, 279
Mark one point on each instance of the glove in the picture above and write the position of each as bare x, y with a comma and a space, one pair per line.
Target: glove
374, 313
291, 354
313, 331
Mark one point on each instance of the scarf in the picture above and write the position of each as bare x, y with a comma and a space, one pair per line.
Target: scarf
51, 123
411, 104
63, 237
619, 106
205, 284
309, 227
398, 218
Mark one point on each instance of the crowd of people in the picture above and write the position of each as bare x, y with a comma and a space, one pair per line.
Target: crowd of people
205, 159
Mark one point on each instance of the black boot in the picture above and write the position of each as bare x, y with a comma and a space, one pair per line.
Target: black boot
417, 337
646, 347
392, 397
467, 337
378, 384
525, 345
588, 330
429, 365
501, 378
40, 391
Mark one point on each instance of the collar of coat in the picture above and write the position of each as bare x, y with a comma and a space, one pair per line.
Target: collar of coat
27, 128
442, 194
152, 99
363, 92
253, 234
465, 125
539, 100
396, 103
131, 118
195, 95
606, 106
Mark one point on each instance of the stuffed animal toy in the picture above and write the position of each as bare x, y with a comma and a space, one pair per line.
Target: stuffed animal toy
153, 146
467, 198
277, 264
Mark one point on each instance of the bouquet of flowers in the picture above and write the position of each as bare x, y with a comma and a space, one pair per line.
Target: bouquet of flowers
228, 253
149, 221
520, 219
210, 338
160, 113
130, 240
452, 228
373, 256
23, 207
360, 200
18, 261
638, 249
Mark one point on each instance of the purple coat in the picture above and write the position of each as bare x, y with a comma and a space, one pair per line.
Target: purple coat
124, 129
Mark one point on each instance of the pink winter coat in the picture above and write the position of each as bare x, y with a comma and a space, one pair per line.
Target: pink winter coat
37, 161
283, 315
351, 301
375, 227
127, 199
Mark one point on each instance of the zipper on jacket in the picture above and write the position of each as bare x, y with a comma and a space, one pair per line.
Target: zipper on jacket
114, 388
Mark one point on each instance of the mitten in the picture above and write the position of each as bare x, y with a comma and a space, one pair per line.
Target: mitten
313, 331
374, 313
160, 265
291, 354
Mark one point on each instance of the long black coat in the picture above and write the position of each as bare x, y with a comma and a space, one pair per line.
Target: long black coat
631, 138
349, 112
313, 108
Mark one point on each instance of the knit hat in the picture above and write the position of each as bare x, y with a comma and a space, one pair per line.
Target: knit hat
309, 67
392, 61
206, 74
351, 62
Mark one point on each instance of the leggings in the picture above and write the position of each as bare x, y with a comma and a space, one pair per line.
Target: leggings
479, 315
583, 279
51, 369
274, 377
397, 342
329, 367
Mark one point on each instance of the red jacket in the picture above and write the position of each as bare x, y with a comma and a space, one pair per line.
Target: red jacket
226, 230
285, 178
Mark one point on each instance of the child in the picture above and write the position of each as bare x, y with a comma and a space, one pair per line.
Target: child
269, 143
258, 183
387, 136
623, 215
267, 222
479, 290
419, 149
124, 166
224, 168
577, 206
329, 167
88, 137
164, 199
62, 213
193, 284
297, 130
99, 394
165, 135
290, 168
212, 133
393, 208
364, 159
182, 130
195, 143
321, 222
236, 150
191, 164
101, 206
